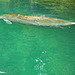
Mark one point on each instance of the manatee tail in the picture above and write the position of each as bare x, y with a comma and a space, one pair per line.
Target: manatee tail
73, 22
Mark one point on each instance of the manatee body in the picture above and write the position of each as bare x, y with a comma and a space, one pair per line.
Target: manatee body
35, 20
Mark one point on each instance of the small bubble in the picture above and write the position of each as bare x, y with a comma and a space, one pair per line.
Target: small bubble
43, 63
42, 52
42, 74
36, 60
41, 67
36, 67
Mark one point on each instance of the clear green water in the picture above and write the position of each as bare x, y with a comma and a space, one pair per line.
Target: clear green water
34, 50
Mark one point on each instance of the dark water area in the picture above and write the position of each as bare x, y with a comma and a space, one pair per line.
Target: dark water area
35, 50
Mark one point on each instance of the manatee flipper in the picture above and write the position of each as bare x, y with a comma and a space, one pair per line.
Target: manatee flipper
7, 21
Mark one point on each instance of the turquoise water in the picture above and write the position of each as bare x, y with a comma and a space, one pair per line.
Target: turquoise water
34, 50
